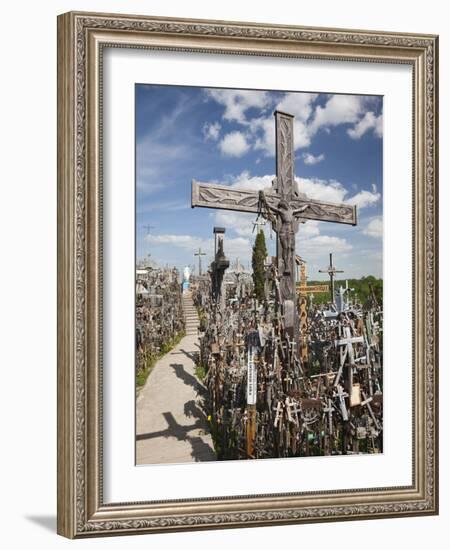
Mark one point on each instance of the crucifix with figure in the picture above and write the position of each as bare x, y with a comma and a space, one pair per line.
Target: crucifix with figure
284, 206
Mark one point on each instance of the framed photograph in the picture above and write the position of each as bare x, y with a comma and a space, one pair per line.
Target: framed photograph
247, 282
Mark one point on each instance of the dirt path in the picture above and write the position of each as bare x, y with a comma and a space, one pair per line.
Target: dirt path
171, 425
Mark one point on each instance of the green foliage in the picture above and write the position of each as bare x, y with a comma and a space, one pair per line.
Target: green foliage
200, 373
362, 288
258, 258
142, 374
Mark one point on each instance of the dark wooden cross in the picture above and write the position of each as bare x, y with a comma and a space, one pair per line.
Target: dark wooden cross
331, 270
200, 254
283, 205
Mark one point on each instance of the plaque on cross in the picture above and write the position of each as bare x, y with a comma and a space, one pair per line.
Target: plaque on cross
284, 205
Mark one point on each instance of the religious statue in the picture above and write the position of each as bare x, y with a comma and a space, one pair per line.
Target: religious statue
286, 227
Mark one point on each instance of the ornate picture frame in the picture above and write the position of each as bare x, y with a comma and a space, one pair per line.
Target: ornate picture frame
82, 38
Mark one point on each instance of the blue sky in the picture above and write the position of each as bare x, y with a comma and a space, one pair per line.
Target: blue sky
227, 136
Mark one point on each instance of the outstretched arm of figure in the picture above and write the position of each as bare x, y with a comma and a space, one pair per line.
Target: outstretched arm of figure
263, 199
300, 210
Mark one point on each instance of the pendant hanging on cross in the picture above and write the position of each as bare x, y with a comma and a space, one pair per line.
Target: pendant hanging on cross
284, 206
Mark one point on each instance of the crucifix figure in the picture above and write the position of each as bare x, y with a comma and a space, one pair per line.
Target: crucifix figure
200, 254
283, 205
286, 222
331, 270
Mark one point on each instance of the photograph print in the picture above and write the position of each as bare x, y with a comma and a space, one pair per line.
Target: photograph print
259, 274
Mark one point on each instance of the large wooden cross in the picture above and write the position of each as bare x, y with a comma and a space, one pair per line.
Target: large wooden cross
283, 205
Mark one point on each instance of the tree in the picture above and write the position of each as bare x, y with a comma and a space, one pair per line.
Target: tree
258, 258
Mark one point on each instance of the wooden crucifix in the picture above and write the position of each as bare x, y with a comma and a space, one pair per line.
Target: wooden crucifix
284, 206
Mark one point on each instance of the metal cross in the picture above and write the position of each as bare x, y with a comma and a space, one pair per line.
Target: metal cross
331, 270
283, 205
259, 225
347, 353
200, 254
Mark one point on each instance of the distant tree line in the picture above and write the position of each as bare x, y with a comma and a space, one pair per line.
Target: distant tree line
365, 289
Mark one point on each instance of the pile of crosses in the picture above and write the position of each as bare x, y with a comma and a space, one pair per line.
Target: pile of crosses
159, 313
273, 395
285, 379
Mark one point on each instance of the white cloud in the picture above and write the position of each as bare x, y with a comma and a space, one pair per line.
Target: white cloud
263, 130
364, 198
233, 246
308, 229
299, 105
339, 109
310, 159
368, 122
321, 245
234, 144
315, 251
253, 183
211, 130
240, 222
237, 102
322, 190
374, 228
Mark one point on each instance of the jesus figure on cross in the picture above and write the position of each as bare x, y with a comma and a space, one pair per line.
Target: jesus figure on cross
286, 227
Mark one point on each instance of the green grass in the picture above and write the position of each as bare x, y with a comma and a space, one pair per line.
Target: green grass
143, 374
201, 317
361, 286
200, 372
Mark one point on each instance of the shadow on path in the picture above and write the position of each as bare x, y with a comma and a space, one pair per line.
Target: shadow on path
193, 355
188, 379
201, 451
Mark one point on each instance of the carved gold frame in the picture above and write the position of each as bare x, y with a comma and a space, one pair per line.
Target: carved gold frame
81, 38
